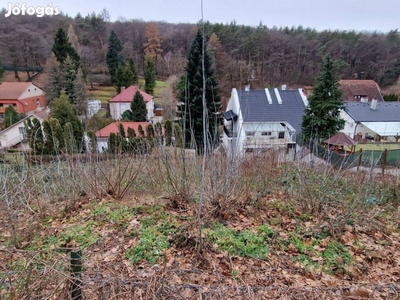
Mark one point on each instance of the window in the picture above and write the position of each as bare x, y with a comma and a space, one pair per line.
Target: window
266, 133
281, 135
37, 103
250, 133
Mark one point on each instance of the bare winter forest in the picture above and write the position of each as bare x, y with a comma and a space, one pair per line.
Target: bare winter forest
243, 55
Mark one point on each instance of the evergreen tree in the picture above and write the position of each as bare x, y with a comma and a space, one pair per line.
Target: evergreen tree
126, 75
62, 110
35, 135
70, 78
150, 134
131, 133
57, 135
138, 111
178, 136
149, 75
191, 98
141, 131
322, 116
131, 71
11, 116
55, 78
63, 48
1, 70
113, 57
79, 92
49, 145
93, 141
168, 133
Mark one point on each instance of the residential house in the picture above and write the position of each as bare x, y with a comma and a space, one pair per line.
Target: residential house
259, 119
15, 135
375, 120
120, 103
360, 90
25, 97
103, 134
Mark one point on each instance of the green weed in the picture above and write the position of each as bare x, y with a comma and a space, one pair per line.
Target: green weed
240, 243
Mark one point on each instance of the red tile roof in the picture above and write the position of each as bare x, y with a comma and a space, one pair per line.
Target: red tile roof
114, 127
366, 88
127, 95
13, 90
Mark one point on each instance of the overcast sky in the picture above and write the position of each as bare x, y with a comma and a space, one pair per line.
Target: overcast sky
359, 15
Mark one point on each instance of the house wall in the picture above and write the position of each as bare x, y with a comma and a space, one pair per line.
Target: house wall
359, 131
24, 106
350, 126
118, 108
102, 144
12, 136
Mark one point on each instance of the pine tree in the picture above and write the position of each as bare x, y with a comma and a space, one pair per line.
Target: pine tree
113, 57
55, 78
70, 78
322, 116
63, 48
149, 75
138, 108
131, 70
191, 98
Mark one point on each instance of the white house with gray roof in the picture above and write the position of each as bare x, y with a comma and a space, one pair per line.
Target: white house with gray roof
260, 119
372, 120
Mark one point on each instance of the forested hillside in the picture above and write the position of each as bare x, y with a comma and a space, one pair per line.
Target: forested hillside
259, 56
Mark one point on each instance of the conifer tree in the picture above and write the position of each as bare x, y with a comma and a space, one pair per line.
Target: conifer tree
11, 116
55, 78
131, 133
79, 92
149, 75
113, 56
1, 70
62, 110
322, 116
191, 98
63, 48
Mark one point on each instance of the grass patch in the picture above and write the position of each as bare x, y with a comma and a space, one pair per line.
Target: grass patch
335, 258
103, 93
378, 146
241, 243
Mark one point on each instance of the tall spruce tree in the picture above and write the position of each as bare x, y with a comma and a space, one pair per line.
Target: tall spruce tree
190, 96
62, 48
138, 111
113, 56
322, 116
149, 75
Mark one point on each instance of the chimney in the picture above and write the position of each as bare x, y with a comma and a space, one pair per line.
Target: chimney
283, 87
374, 102
122, 88
247, 87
